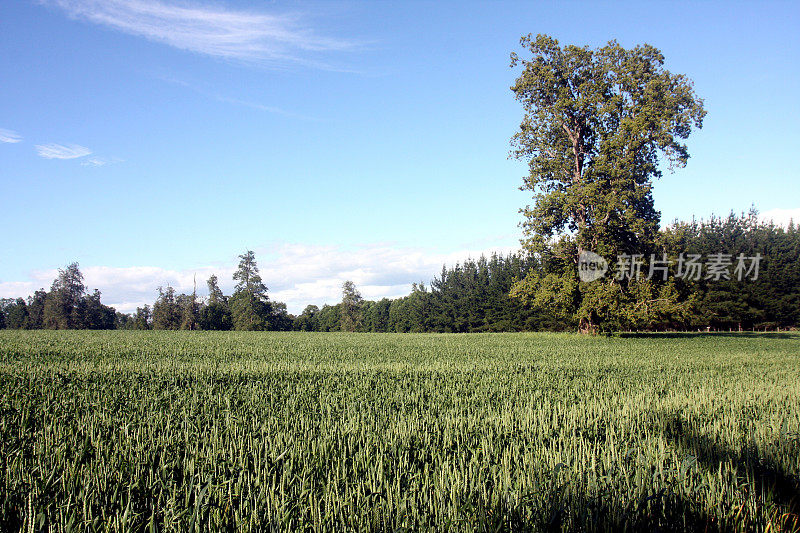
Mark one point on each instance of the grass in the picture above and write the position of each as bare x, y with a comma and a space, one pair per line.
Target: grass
183, 431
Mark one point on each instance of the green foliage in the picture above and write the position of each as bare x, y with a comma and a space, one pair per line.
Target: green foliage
62, 308
250, 307
596, 124
249, 313
166, 310
95, 315
240, 431
328, 318
280, 319
308, 319
190, 311
771, 301
376, 315
247, 277
66, 306
351, 307
215, 315
36, 307
15, 312
142, 319
472, 296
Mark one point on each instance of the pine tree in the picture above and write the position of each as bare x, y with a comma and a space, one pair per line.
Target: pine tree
250, 307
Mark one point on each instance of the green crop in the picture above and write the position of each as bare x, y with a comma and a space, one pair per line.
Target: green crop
185, 431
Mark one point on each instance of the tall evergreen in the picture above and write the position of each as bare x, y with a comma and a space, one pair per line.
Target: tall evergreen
250, 306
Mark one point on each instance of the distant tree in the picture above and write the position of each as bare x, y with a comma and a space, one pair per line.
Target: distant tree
398, 316
62, 310
772, 300
215, 294
280, 320
417, 306
4, 305
596, 123
352, 303
142, 318
36, 304
16, 313
250, 306
166, 311
328, 318
216, 313
95, 315
190, 310
376, 315
308, 319
247, 277
123, 320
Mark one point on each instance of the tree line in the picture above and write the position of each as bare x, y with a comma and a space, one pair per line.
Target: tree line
67, 305
496, 294
514, 292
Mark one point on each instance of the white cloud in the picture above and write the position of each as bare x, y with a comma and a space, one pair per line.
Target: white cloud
8, 136
15, 289
210, 30
781, 217
61, 151
295, 273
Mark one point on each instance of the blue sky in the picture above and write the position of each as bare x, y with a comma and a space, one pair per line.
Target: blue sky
153, 140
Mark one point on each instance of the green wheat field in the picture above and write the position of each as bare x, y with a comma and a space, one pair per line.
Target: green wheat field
190, 431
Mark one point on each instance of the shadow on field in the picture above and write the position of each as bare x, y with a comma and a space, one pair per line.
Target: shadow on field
573, 510
696, 334
765, 478
773, 493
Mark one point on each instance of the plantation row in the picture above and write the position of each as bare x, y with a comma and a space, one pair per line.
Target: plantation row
179, 431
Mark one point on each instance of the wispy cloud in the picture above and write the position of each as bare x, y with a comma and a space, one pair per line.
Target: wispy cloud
210, 30
234, 101
8, 136
100, 161
296, 274
62, 151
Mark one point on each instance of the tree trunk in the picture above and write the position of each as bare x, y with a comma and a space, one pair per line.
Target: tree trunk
587, 327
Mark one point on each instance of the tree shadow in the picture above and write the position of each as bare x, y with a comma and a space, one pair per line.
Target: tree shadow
767, 478
573, 507
576, 510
